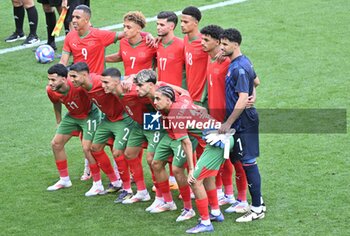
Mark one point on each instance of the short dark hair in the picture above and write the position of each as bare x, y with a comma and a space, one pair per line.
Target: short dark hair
79, 67
233, 35
170, 16
112, 72
213, 31
167, 91
58, 69
193, 11
84, 8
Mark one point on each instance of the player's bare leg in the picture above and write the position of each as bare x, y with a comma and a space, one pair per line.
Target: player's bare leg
163, 183
58, 150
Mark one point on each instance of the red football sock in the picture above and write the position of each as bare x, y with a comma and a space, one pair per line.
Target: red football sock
140, 155
202, 206
185, 192
95, 172
241, 181
62, 168
124, 172
165, 189
213, 199
137, 171
227, 177
218, 179
158, 192
105, 164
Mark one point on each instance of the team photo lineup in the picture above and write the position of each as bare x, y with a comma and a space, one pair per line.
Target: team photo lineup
220, 117
198, 93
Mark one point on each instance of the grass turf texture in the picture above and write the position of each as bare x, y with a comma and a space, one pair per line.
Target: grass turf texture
300, 51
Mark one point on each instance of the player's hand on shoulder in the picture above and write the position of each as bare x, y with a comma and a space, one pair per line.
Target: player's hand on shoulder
127, 82
220, 57
151, 41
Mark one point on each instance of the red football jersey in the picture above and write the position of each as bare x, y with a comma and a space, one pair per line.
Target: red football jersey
106, 102
184, 119
134, 105
90, 48
137, 57
171, 62
196, 68
216, 74
75, 99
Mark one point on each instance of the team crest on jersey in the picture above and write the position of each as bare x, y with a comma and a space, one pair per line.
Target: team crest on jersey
142, 54
171, 56
91, 43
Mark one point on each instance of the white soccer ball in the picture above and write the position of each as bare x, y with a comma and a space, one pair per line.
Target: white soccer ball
45, 54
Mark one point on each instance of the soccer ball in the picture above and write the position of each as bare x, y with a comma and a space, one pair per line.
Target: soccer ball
45, 54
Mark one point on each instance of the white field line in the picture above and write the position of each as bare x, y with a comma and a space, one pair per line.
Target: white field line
119, 26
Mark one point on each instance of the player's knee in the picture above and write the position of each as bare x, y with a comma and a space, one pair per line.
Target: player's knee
56, 145
28, 4
86, 148
47, 8
95, 148
177, 171
17, 3
129, 155
117, 153
157, 165
149, 158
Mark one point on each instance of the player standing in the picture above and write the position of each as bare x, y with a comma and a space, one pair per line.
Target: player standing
170, 51
196, 58
240, 84
134, 51
216, 73
85, 43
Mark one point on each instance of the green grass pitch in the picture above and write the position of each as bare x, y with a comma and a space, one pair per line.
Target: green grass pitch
300, 50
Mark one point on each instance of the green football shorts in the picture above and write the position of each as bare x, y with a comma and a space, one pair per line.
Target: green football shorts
120, 130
